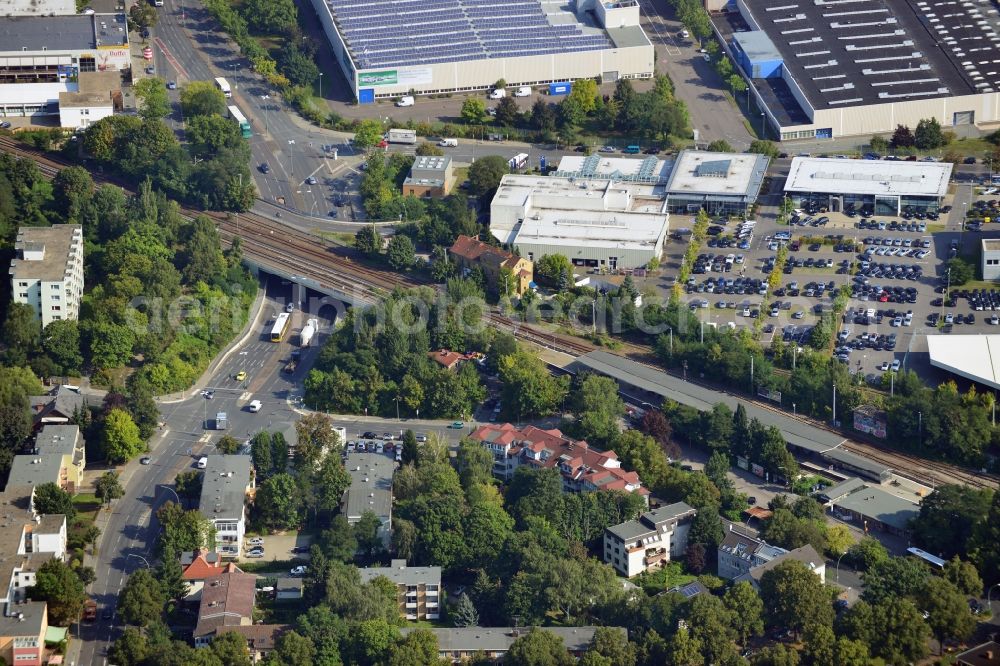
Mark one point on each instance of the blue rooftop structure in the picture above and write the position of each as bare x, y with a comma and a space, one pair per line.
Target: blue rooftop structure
757, 54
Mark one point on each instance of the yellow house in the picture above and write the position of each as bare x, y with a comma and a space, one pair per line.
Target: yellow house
65, 443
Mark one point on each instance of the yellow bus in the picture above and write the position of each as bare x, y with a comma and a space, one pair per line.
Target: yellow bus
280, 327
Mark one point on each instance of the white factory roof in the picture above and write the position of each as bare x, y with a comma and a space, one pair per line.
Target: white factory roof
879, 177
600, 167
701, 172
975, 357
635, 231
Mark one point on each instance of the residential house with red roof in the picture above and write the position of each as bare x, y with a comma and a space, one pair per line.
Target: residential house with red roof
469, 252
583, 469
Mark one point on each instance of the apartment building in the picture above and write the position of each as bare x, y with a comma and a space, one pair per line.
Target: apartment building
370, 490
807, 555
583, 469
65, 444
227, 600
227, 484
58, 407
418, 588
47, 271
739, 553
649, 542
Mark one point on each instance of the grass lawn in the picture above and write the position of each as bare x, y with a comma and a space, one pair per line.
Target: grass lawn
87, 506
669, 576
935, 228
969, 147
336, 237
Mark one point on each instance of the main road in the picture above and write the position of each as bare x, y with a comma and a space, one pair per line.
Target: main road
129, 527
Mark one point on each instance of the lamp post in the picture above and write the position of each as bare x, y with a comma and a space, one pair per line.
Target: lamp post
321, 85
920, 428
835, 404
397, 407
140, 557
989, 597
838, 564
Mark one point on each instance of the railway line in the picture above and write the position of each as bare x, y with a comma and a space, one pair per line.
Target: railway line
272, 242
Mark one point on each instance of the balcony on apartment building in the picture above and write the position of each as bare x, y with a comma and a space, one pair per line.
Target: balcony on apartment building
655, 556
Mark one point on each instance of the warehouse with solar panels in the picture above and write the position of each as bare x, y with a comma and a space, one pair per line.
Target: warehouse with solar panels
389, 48
830, 68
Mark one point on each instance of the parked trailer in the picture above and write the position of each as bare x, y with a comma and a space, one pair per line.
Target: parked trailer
223, 85
401, 136
518, 162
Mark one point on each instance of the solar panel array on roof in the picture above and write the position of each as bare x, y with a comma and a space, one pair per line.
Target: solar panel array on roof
968, 31
850, 52
387, 33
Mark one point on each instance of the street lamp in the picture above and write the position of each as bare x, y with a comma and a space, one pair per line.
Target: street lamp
989, 597
838, 564
835, 404
140, 557
321, 85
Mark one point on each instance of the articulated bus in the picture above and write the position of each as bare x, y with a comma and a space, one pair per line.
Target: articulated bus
280, 327
238, 116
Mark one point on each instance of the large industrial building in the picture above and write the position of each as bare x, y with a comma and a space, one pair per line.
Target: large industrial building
721, 183
388, 48
602, 224
886, 188
42, 57
831, 69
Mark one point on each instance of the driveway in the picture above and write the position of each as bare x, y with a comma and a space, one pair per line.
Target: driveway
278, 547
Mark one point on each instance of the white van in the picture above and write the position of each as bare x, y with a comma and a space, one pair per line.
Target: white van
407, 100
202, 462
499, 93
254, 406
448, 143
523, 91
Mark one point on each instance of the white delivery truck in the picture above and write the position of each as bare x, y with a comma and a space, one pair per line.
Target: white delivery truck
406, 100
499, 93
307, 333
401, 136
448, 143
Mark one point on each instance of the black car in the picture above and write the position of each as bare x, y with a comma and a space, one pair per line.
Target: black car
340, 201
265, 167
369, 435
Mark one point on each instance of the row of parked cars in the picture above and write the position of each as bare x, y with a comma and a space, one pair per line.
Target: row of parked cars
871, 269
893, 225
739, 286
864, 291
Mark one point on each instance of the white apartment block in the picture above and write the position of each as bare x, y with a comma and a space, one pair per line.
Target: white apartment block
47, 272
227, 484
657, 537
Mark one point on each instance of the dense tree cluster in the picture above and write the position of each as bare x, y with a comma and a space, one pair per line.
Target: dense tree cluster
379, 359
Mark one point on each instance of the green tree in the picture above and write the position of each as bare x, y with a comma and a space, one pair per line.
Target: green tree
747, 611
763, 147
142, 408
270, 16
963, 576
227, 445
59, 586
879, 144
948, 614
820, 645
928, 134
795, 597
152, 93
528, 389
485, 175
543, 116
293, 649
473, 111
21, 333
208, 135
120, 437
900, 634
866, 553
961, 271
231, 649
368, 134
183, 531
142, 16
400, 253
985, 543
50, 499
131, 648
474, 463
297, 62
847, 652
712, 625
614, 645
188, 484
368, 241
464, 614
108, 487
550, 269
418, 648
538, 648
72, 189
279, 501
776, 655
202, 98
599, 409
409, 447
720, 146
894, 577
366, 533
170, 574
260, 453
142, 599
507, 112
684, 650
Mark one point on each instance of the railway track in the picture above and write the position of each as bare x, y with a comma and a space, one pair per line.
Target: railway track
333, 267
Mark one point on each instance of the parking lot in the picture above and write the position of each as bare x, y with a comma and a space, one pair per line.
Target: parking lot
891, 266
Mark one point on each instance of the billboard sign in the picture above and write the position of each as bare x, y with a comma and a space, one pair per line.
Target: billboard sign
396, 77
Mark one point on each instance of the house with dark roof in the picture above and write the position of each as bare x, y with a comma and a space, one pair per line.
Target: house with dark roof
583, 469
261, 638
807, 555
459, 644
650, 541
370, 490
468, 253
985, 654
60, 405
64, 442
227, 600
740, 552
